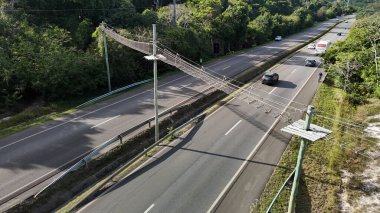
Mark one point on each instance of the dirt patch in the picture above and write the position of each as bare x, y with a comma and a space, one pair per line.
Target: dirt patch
367, 196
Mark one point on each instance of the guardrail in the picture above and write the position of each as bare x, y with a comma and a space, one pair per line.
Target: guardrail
113, 92
100, 147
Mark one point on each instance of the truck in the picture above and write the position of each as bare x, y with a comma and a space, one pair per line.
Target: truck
322, 46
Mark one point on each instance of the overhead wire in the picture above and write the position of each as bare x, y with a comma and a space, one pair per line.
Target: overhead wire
334, 117
234, 80
241, 83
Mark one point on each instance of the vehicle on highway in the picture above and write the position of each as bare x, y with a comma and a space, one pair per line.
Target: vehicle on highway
322, 46
278, 38
311, 63
339, 34
270, 78
311, 46
337, 19
346, 22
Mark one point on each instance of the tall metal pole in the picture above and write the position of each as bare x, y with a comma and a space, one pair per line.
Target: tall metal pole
157, 4
156, 130
297, 174
106, 58
174, 12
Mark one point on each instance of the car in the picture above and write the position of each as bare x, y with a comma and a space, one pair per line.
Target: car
339, 34
311, 63
278, 38
270, 78
337, 19
311, 46
346, 22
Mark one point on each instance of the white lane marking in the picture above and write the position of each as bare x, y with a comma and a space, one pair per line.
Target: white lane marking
226, 67
105, 121
272, 90
259, 144
232, 128
150, 207
186, 85
277, 87
91, 112
154, 156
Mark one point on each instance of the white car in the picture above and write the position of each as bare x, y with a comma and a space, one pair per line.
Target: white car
311, 46
278, 38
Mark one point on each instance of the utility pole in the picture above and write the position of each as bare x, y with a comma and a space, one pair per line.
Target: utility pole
297, 174
154, 58
157, 4
106, 58
157, 133
174, 13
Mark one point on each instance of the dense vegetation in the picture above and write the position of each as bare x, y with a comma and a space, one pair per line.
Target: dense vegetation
352, 63
48, 48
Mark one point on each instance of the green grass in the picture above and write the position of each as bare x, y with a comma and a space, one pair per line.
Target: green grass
33, 117
321, 178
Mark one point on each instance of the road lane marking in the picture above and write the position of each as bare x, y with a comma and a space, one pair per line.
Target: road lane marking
232, 127
105, 121
272, 90
146, 162
91, 112
226, 67
223, 193
293, 71
150, 207
186, 85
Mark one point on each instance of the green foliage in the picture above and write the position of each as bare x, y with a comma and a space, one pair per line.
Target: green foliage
48, 48
352, 62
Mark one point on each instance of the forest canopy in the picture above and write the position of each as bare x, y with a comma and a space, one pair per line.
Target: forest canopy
50, 50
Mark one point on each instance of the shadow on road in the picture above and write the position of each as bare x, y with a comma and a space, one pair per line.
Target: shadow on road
286, 84
161, 158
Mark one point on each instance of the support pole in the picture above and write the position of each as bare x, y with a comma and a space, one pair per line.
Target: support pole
174, 13
106, 58
156, 129
297, 174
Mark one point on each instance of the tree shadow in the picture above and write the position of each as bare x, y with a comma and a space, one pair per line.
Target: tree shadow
161, 158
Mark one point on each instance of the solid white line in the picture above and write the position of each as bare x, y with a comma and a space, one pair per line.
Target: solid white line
262, 140
232, 128
226, 67
293, 71
91, 112
105, 121
154, 156
150, 207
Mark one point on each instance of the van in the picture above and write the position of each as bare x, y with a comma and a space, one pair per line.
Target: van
322, 46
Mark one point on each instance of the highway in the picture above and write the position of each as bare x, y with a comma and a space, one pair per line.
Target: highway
223, 163
31, 156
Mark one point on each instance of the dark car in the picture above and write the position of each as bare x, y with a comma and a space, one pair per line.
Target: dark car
311, 63
339, 34
270, 78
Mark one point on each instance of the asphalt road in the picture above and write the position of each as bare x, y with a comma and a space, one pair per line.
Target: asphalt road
34, 154
191, 174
